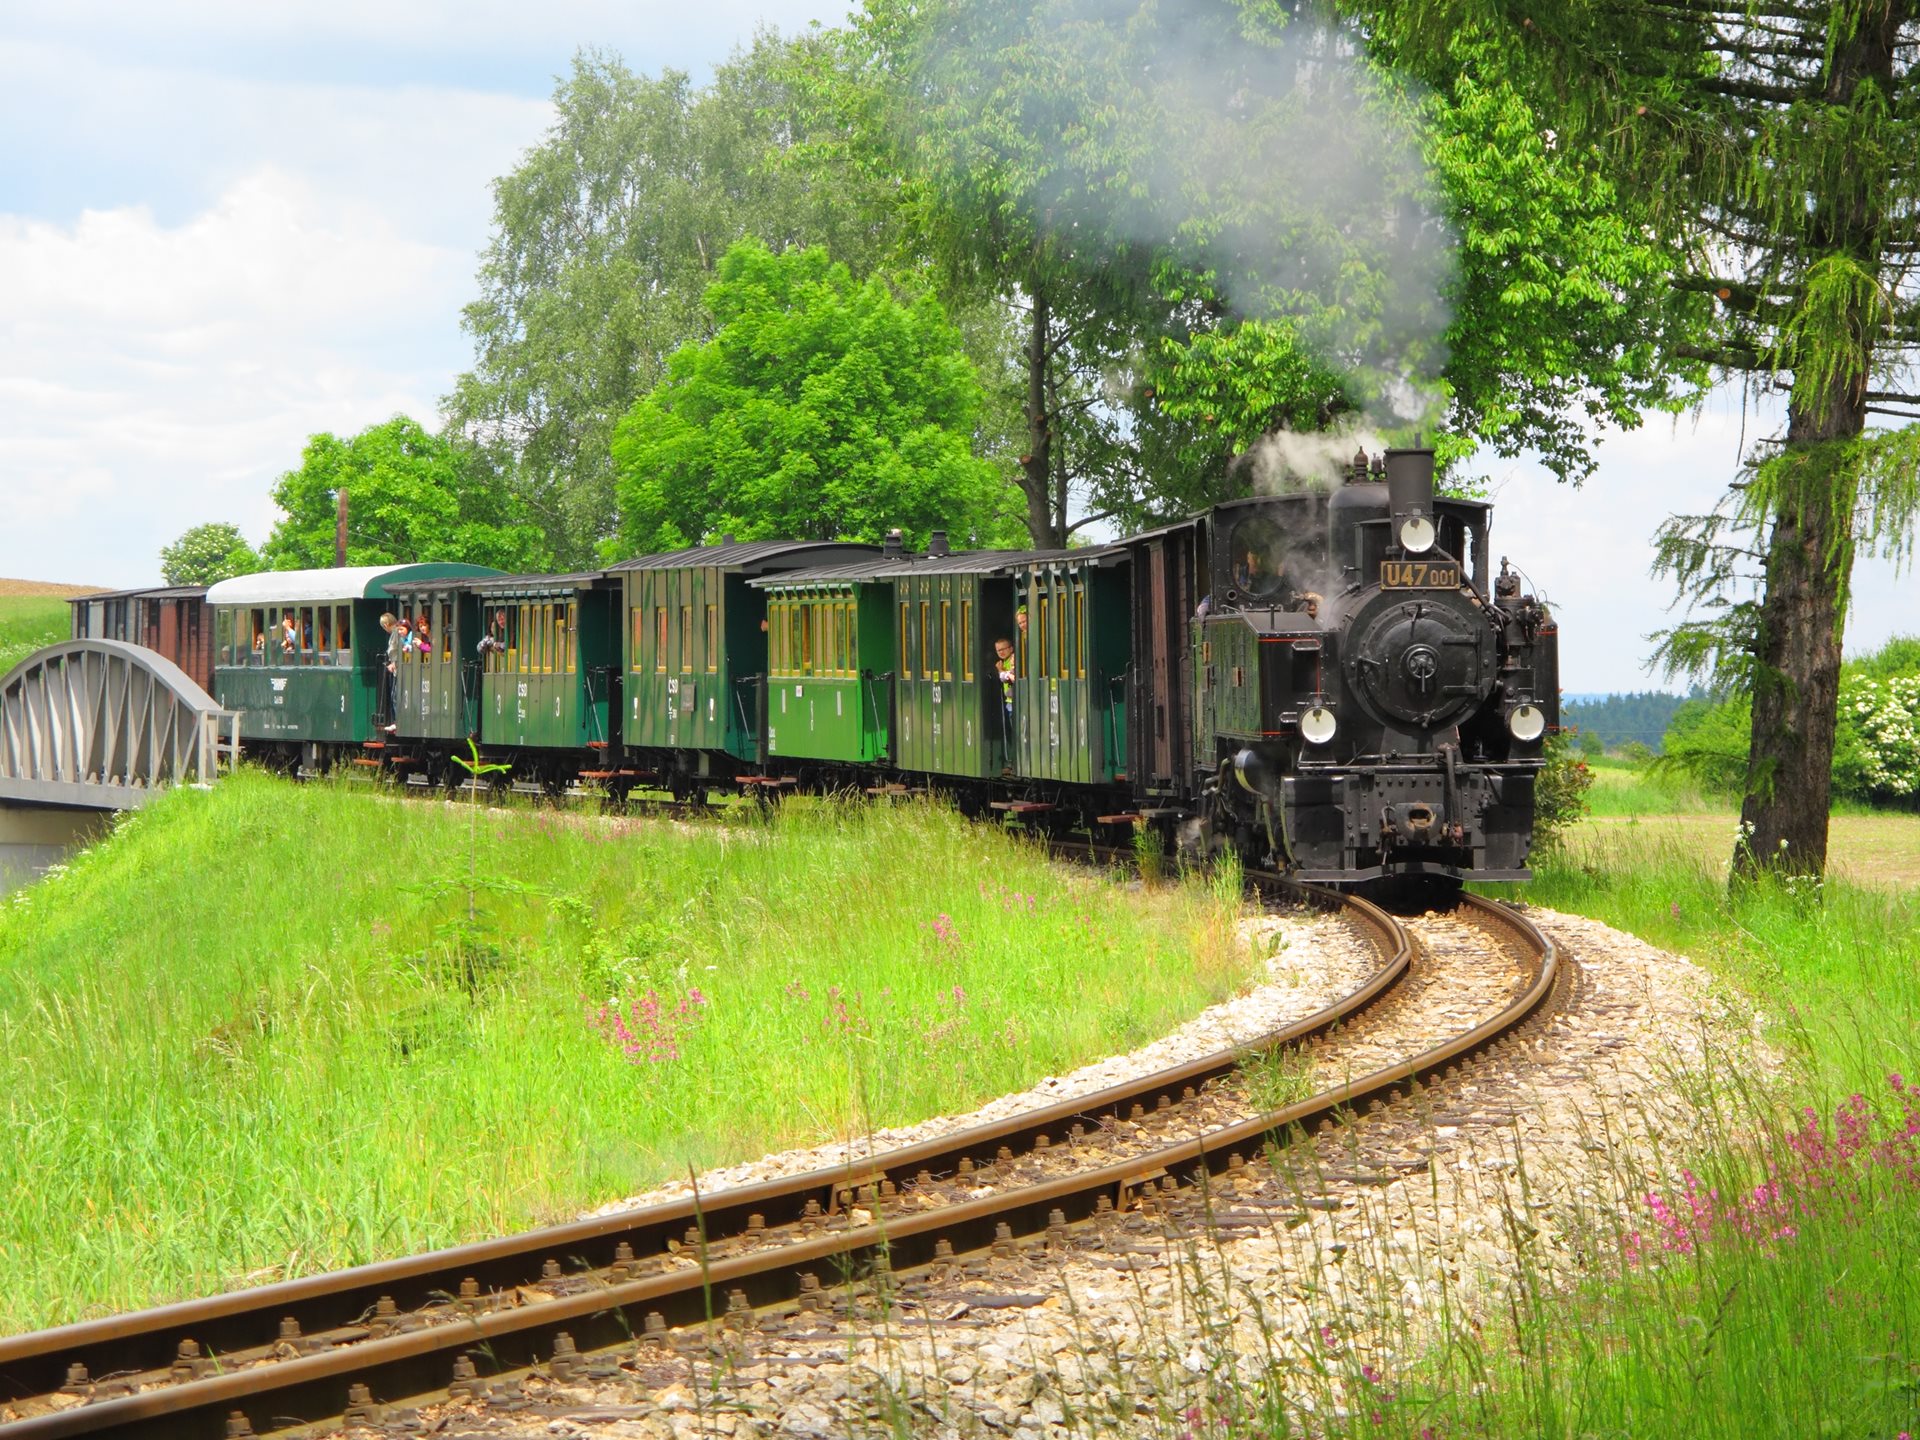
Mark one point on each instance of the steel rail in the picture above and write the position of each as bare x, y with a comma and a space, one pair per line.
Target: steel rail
244, 1327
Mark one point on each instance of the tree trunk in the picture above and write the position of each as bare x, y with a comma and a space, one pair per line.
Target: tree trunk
1796, 687
1797, 681
1036, 466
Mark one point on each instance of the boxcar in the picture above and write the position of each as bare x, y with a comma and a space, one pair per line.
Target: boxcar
300, 653
171, 619
695, 643
551, 661
830, 662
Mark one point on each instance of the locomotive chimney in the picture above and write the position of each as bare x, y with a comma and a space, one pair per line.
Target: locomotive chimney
895, 544
937, 543
1410, 483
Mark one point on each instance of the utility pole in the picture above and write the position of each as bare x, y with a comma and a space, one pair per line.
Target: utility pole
340, 530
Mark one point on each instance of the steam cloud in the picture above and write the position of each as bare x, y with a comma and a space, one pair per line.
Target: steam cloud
1288, 460
1269, 159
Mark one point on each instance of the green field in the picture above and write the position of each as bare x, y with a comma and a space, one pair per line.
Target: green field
257, 1033
27, 622
1778, 1295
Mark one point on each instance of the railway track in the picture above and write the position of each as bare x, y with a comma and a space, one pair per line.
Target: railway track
340, 1345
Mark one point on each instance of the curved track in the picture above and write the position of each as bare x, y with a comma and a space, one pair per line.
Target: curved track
320, 1348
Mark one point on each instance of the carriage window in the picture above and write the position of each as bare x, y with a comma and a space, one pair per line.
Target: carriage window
636, 622
304, 637
446, 631
343, 632
1080, 634
570, 639
660, 639
1062, 619
686, 638
966, 640
1042, 668
713, 639
906, 645
323, 636
848, 654
222, 632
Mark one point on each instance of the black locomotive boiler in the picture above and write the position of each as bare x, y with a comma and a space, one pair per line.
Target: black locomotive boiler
1369, 708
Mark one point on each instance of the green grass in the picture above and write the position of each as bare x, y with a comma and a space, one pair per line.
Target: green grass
27, 622
1621, 788
1797, 1315
254, 1034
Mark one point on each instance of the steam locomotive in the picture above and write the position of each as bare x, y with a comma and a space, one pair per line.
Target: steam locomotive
1327, 680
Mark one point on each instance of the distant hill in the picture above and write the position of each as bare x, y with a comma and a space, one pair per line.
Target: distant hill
1616, 719
47, 587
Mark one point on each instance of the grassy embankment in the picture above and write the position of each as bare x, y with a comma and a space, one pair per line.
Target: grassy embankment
254, 1034
1778, 1293
27, 622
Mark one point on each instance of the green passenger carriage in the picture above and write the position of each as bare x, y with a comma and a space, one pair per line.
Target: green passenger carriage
550, 661
830, 663
300, 653
437, 694
695, 640
1070, 691
949, 610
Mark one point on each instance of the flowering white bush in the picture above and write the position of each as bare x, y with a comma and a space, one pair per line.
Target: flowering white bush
1886, 716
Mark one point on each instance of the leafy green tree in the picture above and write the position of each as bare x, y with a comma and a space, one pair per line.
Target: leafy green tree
208, 553
1770, 148
823, 407
605, 238
1215, 222
411, 497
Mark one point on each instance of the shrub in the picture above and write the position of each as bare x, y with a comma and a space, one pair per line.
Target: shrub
1560, 793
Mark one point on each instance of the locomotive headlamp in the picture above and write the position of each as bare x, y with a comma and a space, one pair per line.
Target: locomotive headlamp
1416, 534
1527, 722
1317, 725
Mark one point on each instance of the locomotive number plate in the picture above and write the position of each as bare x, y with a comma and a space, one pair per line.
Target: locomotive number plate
1419, 575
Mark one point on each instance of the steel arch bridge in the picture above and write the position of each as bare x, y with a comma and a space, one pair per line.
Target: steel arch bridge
104, 725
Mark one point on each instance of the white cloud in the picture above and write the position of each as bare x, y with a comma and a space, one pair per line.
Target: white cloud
155, 376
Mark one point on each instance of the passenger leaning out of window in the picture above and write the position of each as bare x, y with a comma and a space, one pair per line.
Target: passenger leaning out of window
396, 647
289, 636
422, 641
494, 642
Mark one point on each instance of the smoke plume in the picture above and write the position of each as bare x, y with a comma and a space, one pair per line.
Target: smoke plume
1263, 157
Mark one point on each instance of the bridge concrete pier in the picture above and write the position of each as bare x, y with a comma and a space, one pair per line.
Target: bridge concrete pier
32, 837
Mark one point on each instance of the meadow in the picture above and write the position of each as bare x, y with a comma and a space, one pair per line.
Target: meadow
276, 1028
27, 622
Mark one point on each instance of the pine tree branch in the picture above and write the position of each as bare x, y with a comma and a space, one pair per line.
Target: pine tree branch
1754, 90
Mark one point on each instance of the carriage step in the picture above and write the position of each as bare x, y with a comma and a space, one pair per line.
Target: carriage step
771, 782
1132, 817
896, 790
1020, 807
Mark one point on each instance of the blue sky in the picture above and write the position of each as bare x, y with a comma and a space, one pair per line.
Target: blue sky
225, 226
